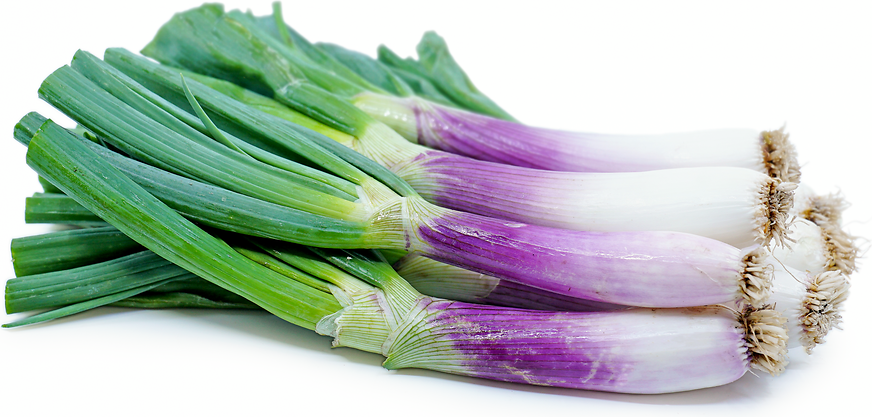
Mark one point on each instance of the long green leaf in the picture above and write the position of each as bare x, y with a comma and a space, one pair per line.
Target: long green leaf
226, 210
311, 144
69, 164
68, 249
150, 300
196, 128
83, 306
50, 208
147, 139
444, 71
370, 69
414, 75
61, 288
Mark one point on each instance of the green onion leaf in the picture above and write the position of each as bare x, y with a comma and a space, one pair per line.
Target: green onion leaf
69, 164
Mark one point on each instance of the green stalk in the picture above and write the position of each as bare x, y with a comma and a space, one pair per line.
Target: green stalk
83, 306
255, 60
80, 173
63, 250
209, 24
213, 48
370, 266
408, 71
128, 274
58, 209
77, 285
140, 281
183, 122
27, 127
436, 65
142, 137
315, 66
97, 284
383, 309
68, 249
374, 141
310, 100
441, 68
226, 210
151, 300
274, 25
371, 69
196, 286
48, 187
168, 293
233, 91
310, 263
283, 268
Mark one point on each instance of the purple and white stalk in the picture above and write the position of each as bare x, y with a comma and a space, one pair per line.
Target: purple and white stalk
734, 205
811, 303
646, 269
486, 138
632, 351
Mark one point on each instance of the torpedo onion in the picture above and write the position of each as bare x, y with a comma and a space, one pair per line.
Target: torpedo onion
737, 207
604, 267
811, 304
666, 347
361, 326
394, 320
482, 137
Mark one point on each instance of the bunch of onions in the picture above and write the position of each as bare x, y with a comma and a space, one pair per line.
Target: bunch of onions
208, 194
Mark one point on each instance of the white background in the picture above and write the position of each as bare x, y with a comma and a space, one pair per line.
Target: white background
615, 67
